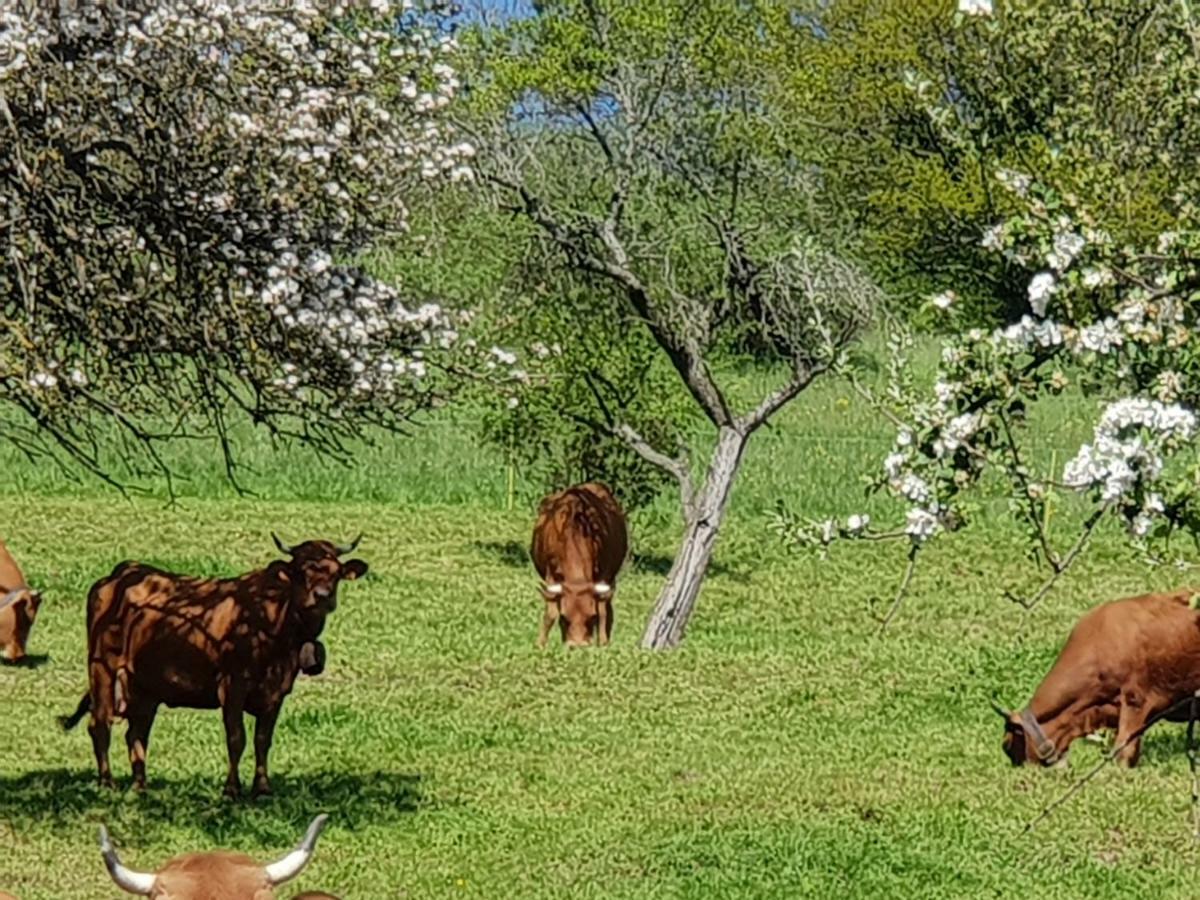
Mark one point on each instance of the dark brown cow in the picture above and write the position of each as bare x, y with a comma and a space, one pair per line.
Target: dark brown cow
155, 638
215, 876
1125, 663
19, 605
579, 545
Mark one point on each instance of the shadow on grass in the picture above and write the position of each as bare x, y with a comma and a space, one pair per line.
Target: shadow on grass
32, 661
1165, 742
193, 808
659, 564
510, 553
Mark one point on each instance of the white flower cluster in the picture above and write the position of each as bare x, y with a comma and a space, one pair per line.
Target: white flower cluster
339, 314
316, 153
1127, 449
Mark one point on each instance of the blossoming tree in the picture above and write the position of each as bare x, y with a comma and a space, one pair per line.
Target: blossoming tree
1117, 311
184, 186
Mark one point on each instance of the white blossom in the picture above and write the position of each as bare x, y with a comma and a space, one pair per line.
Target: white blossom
1040, 290
975, 7
857, 524
1067, 246
944, 300
993, 238
920, 525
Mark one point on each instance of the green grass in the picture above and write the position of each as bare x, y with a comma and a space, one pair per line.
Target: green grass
783, 752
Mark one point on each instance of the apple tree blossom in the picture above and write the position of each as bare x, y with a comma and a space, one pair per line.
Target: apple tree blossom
185, 188
1115, 314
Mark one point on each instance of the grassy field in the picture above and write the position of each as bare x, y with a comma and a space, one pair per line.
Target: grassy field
785, 751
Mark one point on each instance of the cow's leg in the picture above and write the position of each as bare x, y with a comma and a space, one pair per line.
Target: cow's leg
1135, 712
100, 723
232, 704
604, 626
140, 718
101, 732
549, 617
264, 732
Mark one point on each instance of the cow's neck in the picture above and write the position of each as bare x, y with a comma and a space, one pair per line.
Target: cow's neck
1061, 723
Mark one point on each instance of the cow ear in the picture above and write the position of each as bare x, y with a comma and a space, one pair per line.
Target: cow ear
279, 571
353, 569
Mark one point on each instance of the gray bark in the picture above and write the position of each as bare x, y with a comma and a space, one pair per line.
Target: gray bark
703, 517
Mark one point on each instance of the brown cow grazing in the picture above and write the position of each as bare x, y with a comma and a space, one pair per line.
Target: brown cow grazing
579, 545
214, 876
1124, 663
156, 638
19, 605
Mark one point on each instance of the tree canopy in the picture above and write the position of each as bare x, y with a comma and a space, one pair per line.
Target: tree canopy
184, 188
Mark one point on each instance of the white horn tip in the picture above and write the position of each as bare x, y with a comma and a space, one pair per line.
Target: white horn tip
554, 589
603, 588
141, 883
292, 864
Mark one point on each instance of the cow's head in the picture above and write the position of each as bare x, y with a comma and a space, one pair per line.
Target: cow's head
315, 570
18, 610
202, 875
1024, 741
578, 607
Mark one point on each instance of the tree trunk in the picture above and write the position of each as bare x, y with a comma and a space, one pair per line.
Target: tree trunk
702, 520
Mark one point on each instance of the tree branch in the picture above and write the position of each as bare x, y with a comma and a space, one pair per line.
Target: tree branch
775, 401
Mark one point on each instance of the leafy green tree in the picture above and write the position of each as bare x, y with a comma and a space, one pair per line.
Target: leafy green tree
639, 140
1074, 95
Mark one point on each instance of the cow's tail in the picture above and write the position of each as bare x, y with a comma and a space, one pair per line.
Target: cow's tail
69, 722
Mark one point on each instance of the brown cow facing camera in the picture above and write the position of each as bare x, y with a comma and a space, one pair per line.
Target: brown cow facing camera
237, 644
19, 605
579, 545
1124, 663
218, 875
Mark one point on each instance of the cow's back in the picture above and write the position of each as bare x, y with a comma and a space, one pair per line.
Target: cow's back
1117, 643
582, 525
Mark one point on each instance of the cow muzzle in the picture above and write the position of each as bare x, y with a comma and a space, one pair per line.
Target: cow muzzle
312, 658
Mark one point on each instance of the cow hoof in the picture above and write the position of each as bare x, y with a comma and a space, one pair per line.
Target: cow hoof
106, 783
139, 787
260, 790
232, 791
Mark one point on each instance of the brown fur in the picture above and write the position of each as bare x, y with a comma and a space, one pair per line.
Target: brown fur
580, 538
16, 619
237, 644
1123, 664
218, 875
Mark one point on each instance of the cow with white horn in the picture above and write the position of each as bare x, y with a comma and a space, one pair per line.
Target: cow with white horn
580, 542
217, 875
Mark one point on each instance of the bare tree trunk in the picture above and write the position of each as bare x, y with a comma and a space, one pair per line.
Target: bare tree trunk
703, 516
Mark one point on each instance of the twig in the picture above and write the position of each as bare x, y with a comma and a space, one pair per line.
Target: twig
1060, 568
902, 591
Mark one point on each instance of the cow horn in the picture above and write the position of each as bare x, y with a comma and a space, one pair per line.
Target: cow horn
292, 864
602, 588
342, 551
552, 588
283, 548
1000, 710
141, 883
